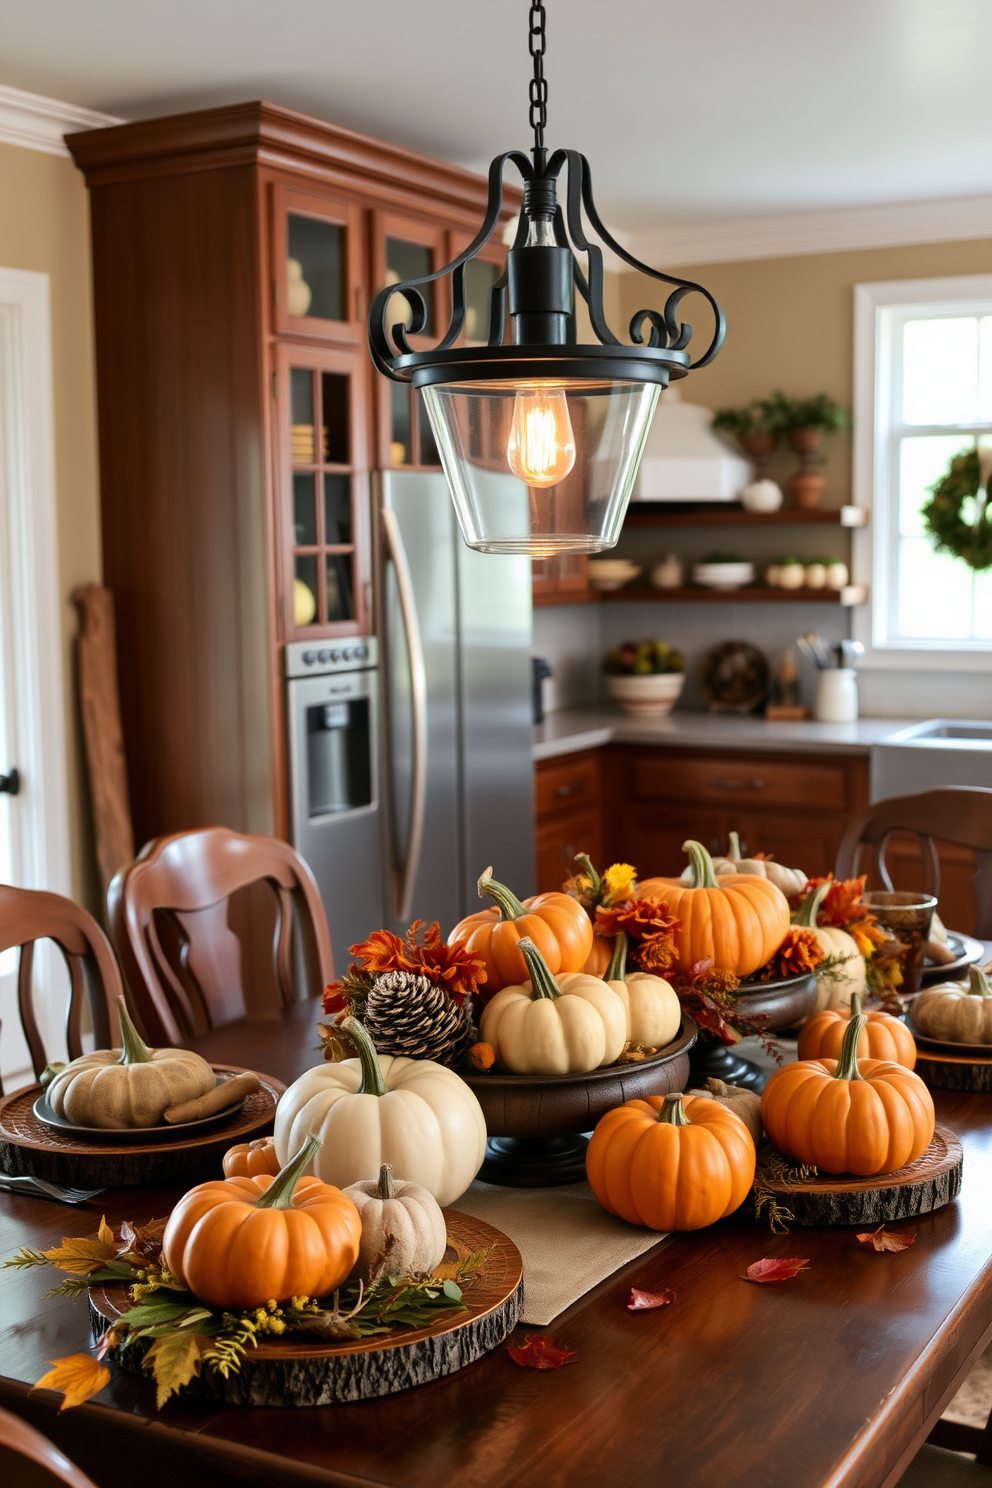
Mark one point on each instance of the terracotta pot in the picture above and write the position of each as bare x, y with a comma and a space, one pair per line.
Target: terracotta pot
806, 441
758, 442
806, 488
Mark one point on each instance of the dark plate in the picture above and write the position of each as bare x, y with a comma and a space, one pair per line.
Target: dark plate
967, 951
163, 1133
942, 1046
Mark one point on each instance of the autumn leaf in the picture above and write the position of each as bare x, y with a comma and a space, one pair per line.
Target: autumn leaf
643, 1301
883, 1239
782, 1268
540, 1352
144, 1240
78, 1375
80, 1256
174, 1360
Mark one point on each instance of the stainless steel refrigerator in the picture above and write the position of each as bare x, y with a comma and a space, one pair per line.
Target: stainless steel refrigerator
457, 771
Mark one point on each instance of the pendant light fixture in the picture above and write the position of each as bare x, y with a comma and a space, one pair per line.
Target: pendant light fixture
540, 438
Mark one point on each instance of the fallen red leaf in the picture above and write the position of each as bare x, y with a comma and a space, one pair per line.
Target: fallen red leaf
883, 1239
642, 1301
540, 1352
782, 1268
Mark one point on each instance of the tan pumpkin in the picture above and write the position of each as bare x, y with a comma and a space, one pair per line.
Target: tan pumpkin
652, 1008
403, 1229
957, 1014
790, 880
745, 1104
554, 1025
849, 977
883, 1036
132, 1086
738, 921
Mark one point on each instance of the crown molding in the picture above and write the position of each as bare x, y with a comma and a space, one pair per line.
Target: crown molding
830, 230
37, 123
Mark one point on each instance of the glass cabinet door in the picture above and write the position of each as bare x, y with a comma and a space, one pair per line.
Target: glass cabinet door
323, 460
407, 249
318, 286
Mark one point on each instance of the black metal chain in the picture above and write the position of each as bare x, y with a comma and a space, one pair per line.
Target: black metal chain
538, 83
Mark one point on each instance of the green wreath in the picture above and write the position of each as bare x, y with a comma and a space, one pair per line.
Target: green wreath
942, 517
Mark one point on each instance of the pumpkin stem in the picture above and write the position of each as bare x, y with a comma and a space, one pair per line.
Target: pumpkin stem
978, 983
673, 1111
135, 1050
373, 1082
809, 909
279, 1194
703, 876
847, 1064
541, 980
505, 899
595, 882
387, 1188
733, 847
617, 969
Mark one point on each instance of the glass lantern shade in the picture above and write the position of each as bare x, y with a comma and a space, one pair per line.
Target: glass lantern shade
541, 467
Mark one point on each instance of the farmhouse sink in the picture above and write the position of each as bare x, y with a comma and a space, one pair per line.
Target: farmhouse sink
939, 751
946, 733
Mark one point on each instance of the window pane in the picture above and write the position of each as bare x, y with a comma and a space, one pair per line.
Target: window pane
315, 277
983, 605
340, 604
305, 590
985, 369
934, 593
923, 459
337, 509
409, 261
304, 510
940, 371
336, 440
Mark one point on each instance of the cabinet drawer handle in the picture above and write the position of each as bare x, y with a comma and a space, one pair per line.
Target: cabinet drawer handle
568, 790
723, 783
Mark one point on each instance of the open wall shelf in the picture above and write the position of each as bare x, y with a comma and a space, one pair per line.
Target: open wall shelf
851, 594
692, 514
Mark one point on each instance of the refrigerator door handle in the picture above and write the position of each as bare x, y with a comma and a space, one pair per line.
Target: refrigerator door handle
405, 874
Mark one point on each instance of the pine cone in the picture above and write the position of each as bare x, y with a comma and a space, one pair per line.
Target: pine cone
406, 1014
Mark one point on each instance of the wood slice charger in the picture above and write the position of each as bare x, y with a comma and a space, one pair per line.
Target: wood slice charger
301, 1371
29, 1147
929, 1183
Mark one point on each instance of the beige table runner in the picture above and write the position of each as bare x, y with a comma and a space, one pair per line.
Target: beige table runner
568, 1241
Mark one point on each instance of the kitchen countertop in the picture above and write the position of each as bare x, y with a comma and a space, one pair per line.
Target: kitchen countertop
572, 729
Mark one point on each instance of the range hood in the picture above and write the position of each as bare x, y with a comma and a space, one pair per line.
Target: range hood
685, 460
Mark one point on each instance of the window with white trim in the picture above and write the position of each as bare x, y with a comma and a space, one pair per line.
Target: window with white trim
923, 393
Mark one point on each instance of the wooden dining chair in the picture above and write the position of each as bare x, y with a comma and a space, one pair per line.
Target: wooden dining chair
960, 814
30, 1460
169, 919
30, 915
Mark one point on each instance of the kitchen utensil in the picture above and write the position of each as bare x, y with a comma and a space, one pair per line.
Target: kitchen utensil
850, 651
40, 1188
906, 915
836, 696
816, 651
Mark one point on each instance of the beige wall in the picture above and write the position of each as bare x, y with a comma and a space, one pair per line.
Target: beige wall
44, 226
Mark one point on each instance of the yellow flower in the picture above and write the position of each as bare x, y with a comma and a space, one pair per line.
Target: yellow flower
864, 945
618, 883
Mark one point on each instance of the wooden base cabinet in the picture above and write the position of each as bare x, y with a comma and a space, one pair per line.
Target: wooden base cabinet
567, 812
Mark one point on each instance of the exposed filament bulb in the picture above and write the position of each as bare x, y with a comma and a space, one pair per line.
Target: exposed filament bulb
541, 449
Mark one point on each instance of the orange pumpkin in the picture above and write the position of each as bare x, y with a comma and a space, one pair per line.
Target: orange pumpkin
739, 920
883, 1036
848, 1116
556, 923
671, 1162
237, 1242
598, 960
250, 1158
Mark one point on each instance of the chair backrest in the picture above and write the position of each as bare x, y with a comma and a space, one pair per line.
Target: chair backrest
29, 915
183, 883
30, 1460
958, 814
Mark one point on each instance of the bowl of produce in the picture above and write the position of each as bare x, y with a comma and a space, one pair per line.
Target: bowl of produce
645, 677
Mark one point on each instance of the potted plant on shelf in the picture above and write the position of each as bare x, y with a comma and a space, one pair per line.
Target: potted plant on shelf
757, 428
808, 422
645, 677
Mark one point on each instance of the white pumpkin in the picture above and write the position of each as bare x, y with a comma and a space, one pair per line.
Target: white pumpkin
549, 1025
403, 1229
790, 880
836, 987
955, 1013
653, 1011
414, 1114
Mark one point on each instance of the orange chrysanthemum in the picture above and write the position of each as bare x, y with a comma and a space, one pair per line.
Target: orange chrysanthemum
799, 954
650, 930
449, 966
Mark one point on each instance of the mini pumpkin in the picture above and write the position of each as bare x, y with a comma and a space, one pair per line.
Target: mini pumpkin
738, 921
671, 1162
848, 1116
652, 1008
883, 1036
239, 1242
131, 1086
403, 1229
556, 923
248, 1159
957, 1014
790, 880
848, 977
554, 1025
744, 1103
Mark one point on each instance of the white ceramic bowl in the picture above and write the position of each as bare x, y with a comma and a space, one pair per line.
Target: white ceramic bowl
722, 575
652, 695
612, 573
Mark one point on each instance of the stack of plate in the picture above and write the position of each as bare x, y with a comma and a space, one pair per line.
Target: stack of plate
612, 573
302, 444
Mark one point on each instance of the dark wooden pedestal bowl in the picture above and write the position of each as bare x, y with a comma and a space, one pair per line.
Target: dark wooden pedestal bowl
783, 1004
535, 1122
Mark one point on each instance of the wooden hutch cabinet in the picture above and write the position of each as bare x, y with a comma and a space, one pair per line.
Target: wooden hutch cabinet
235, 254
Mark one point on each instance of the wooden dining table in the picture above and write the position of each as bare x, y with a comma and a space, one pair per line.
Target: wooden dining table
834, 1378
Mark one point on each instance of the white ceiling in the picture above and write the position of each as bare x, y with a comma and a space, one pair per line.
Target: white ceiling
689, 110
